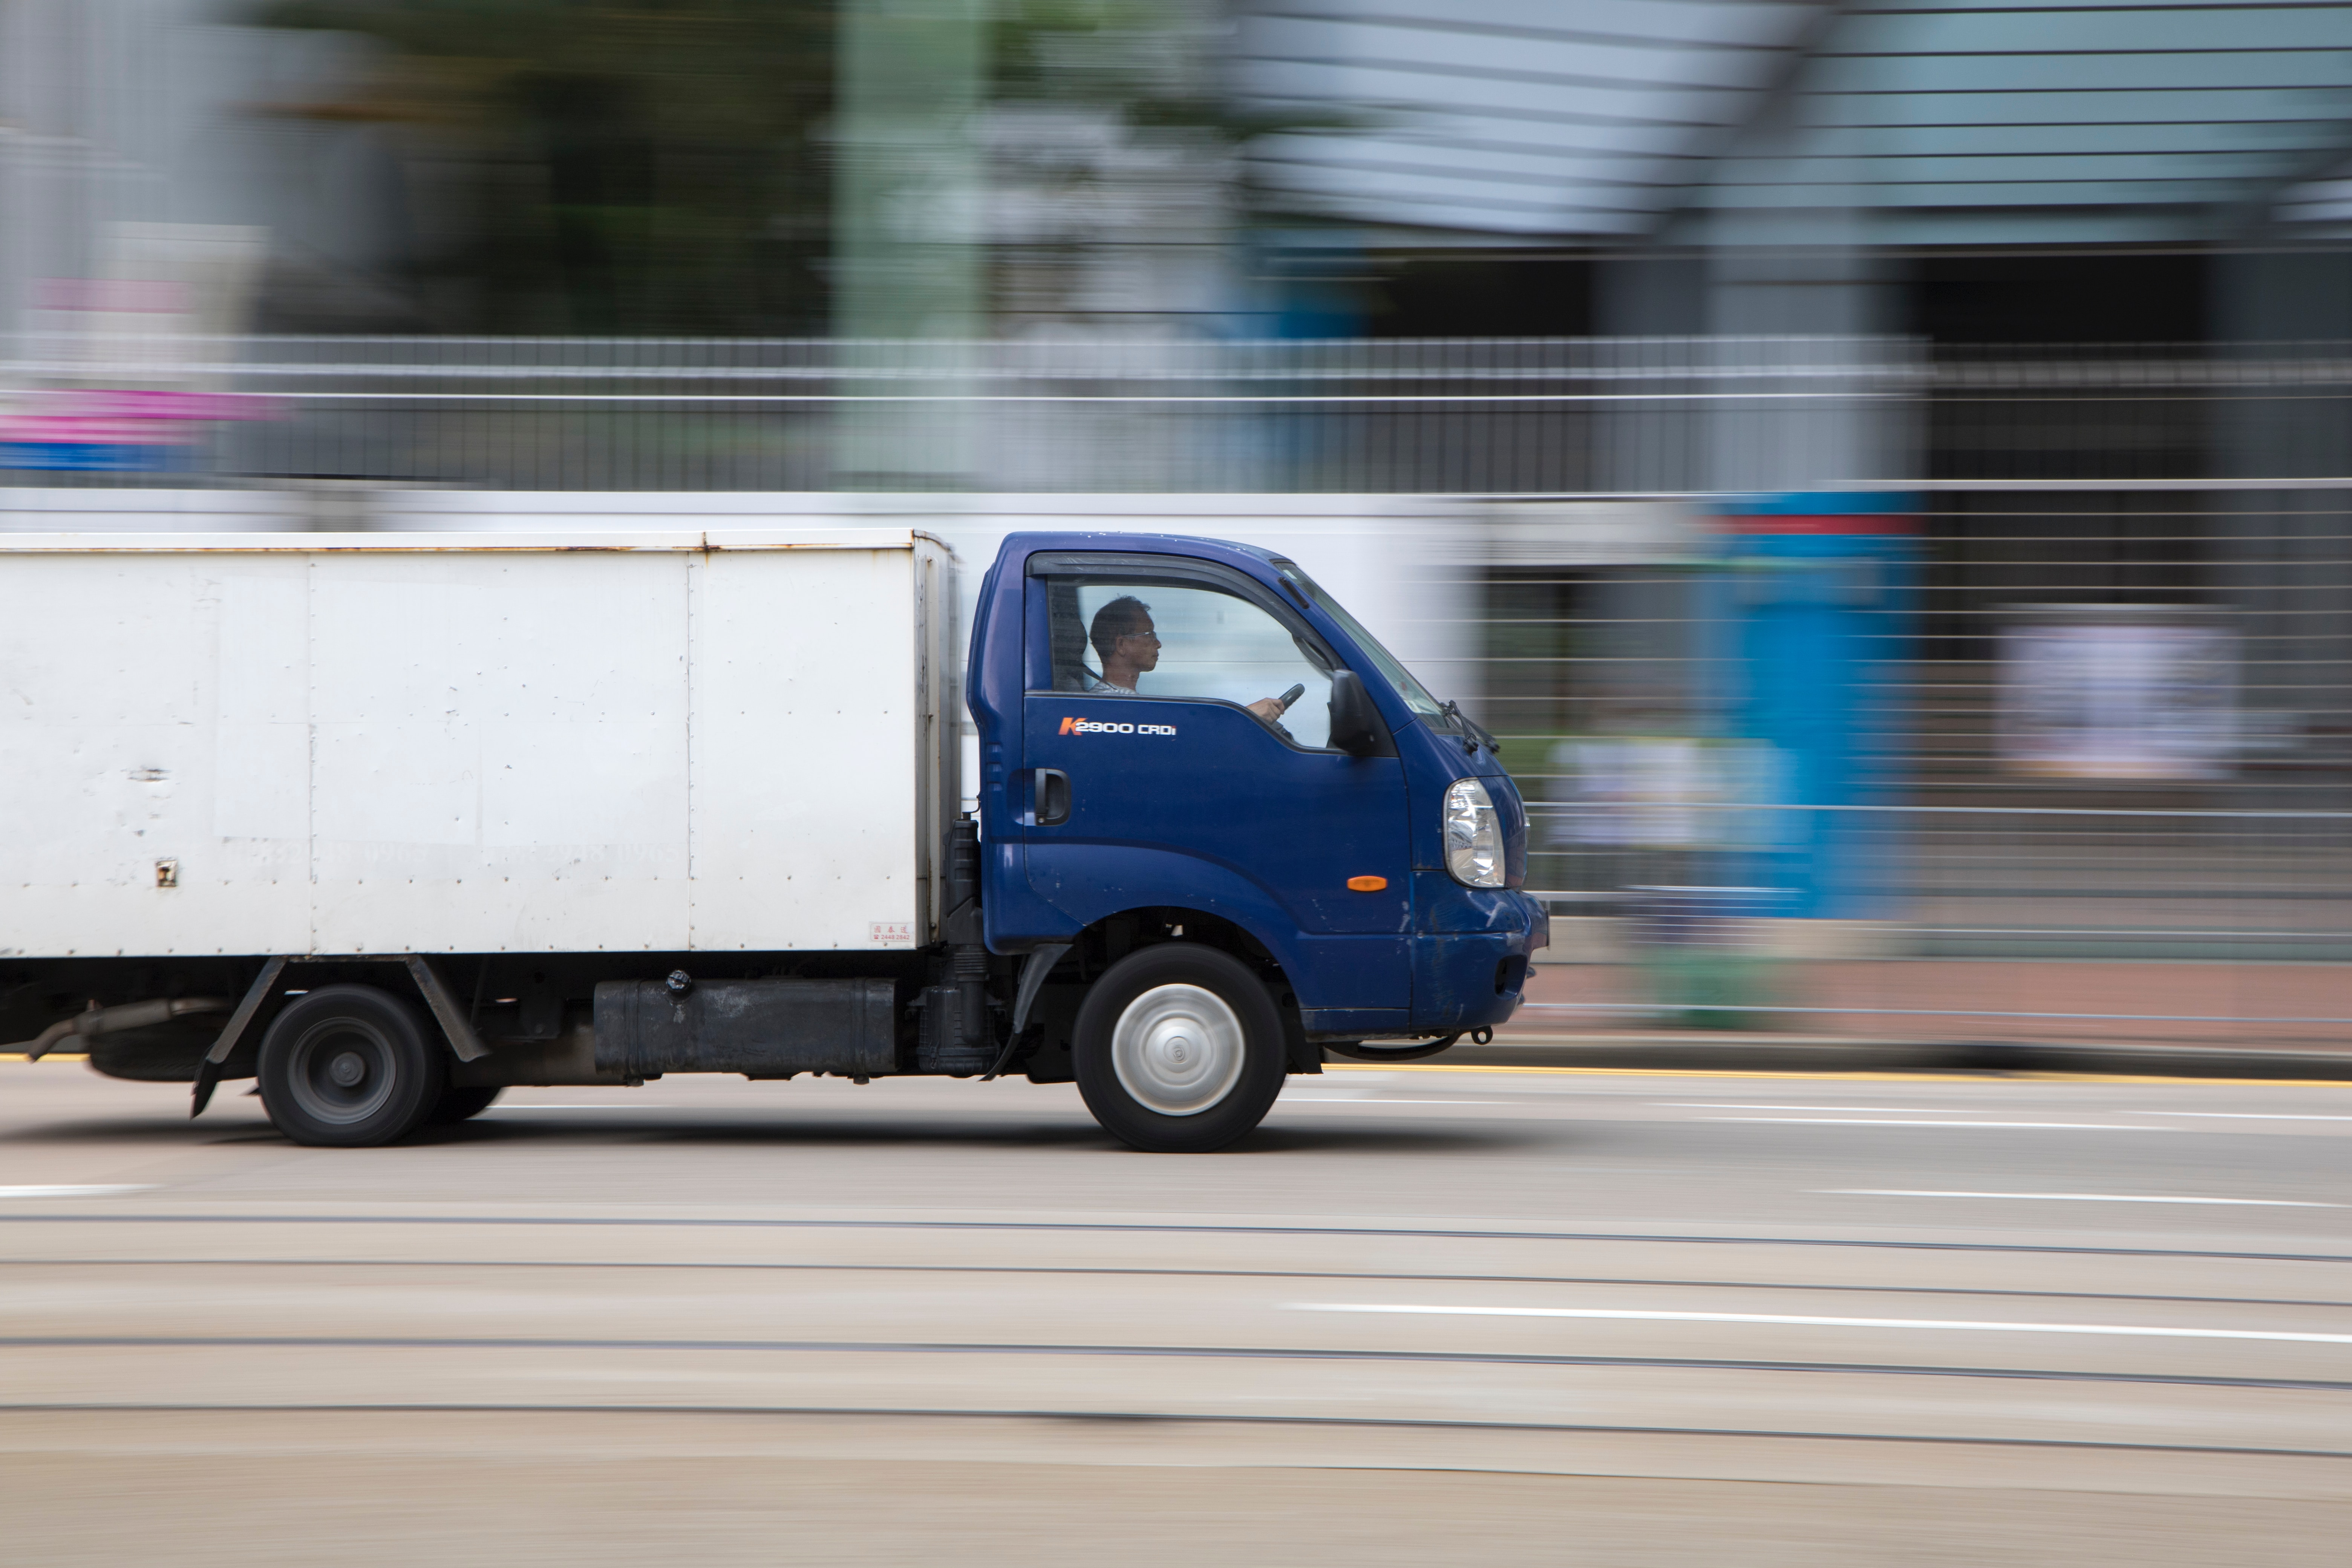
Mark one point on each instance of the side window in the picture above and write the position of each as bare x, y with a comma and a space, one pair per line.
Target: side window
1133, 636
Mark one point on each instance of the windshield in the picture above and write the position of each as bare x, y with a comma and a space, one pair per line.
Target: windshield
1416, 697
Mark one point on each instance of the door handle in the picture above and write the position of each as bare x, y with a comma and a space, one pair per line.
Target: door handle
1052, 797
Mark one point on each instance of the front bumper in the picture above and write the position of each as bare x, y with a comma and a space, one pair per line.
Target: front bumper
1473, 978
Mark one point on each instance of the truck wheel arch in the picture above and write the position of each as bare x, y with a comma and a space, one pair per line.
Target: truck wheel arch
1225, 933
412, 977
1179, 1050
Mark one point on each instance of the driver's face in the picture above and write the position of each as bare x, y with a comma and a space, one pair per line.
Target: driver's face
1142, 647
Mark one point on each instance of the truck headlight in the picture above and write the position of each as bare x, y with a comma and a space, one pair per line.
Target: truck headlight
1474, 835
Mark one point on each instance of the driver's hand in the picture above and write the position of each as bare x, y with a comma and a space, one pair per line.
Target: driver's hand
1268, 709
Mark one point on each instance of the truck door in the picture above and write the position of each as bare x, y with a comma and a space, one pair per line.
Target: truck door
1151, 779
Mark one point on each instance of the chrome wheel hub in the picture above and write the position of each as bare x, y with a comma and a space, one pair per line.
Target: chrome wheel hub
1177, 1050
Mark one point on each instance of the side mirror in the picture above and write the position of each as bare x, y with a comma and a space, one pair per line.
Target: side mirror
1356, 726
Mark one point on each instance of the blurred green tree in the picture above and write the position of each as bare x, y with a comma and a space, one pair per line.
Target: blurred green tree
664, 166
603, 166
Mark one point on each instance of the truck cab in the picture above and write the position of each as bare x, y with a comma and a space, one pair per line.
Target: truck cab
1187, 742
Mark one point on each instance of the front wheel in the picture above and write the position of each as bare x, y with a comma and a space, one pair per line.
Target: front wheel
1177, 1050
348, 1066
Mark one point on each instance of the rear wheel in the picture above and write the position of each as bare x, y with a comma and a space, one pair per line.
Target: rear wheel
1177, 1050
350, 1066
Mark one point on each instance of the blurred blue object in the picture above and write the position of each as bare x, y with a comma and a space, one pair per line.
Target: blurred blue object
91, 457
1817, 599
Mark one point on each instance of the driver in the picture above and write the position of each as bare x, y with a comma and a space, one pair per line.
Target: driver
1129, 648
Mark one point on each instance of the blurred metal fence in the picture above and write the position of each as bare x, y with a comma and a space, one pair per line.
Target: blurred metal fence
1601, 415
1534, 416
2109, 920
2084, 881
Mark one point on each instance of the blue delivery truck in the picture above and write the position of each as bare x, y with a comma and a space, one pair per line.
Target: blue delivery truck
391, 823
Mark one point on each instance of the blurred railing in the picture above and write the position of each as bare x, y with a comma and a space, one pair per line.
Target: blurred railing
1989, 921
2108, 881
1540, 416
1586, 416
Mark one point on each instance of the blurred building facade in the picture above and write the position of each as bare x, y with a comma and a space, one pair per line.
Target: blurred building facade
2150, 171
1719, 166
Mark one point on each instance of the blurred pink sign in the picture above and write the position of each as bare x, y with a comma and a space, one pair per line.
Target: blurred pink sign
114, 294
124, 418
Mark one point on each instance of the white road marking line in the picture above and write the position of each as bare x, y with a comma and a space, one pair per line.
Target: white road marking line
1359, 1099
101, 1190
2248, 1115
593, 1108
2082, 1197
1817, 1105
1610, 1314
1946, 1111
1868, 1121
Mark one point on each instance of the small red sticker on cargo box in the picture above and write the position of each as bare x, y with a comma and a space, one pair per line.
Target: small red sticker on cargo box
891, 933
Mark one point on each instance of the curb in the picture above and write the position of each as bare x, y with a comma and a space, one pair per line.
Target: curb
1684, 1053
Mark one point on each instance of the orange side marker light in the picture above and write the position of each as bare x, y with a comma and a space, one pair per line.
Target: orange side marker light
1367, 884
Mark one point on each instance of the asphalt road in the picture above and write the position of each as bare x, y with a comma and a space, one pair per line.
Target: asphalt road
1423, 1316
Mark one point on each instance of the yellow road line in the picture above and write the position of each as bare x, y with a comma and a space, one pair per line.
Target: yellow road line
1840, 1076
1653, 1072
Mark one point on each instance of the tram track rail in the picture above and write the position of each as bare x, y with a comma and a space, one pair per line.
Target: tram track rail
1084, 1271
1172, 1418
624, 1345
1128, 1228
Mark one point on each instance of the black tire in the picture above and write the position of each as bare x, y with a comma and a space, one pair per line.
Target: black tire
1163, 1069
348, 1066
457, 1104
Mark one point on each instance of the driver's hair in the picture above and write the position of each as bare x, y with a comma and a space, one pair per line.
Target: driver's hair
1123, 617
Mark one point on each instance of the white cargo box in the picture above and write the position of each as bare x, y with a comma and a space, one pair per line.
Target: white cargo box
369, 744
